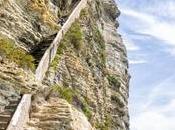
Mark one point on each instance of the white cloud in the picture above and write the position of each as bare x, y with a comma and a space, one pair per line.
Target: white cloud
159, 116
153, 120
155, 105
162, 89
150, 25
156, 118
140, 16
130, 45
137, 61
162, 8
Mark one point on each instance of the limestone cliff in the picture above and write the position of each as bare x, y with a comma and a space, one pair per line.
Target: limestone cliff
86, 86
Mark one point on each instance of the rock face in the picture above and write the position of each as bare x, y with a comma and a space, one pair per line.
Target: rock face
86, 86
57, 114
96, 69
28, 22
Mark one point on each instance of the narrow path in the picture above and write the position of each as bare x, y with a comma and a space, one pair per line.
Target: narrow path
40, 49
50, 53
53, 115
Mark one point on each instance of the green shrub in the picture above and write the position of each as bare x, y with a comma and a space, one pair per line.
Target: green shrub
116, 99
113, 80
86, 110
75, 36
83, 13
98, 9
60, 50
27, 62
98, 38
69, 95
106, 125
64, 92
108, 122
9, 50
103, 57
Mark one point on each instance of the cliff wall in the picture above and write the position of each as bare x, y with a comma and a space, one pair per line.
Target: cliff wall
86, 86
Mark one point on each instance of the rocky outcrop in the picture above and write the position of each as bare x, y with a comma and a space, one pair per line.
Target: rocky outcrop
13, 82
86, 85
57, 114
51, 51
96, 69
28, 22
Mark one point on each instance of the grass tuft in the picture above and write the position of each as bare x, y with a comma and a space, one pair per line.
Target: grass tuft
113, 81
64, 92
9, 50
75, 35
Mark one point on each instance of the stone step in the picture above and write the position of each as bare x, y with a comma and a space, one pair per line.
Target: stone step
14, 101
53, 109
7, 113
60, 111
3, 124
5, 118
11, 110
3, 128
57, 106
15, 98
50, 128
51, 114
54, 125
52, 117
48, 124
11, 106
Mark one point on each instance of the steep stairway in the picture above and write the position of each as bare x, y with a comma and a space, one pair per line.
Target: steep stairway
43, 60
55, 115
38, 51
5, 117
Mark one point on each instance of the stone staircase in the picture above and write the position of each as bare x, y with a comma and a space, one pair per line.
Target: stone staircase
55, 115
5, 117
40, 49
49, 53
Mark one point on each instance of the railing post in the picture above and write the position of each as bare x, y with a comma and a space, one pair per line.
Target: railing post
48, 55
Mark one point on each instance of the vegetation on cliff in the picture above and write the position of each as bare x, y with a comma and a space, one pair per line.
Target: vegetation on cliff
9, 50
73, 97
73, 37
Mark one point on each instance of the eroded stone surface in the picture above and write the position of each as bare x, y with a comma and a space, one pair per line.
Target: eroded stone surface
102, 84
57, 114
97, 72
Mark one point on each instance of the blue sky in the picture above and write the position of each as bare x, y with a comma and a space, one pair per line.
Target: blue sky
148, 30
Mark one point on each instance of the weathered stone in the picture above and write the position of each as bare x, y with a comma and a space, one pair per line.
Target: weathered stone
21, 115
93, 78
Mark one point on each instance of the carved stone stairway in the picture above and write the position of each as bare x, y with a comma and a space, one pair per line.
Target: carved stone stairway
50, 52
5, 117
51, 116
40, 49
